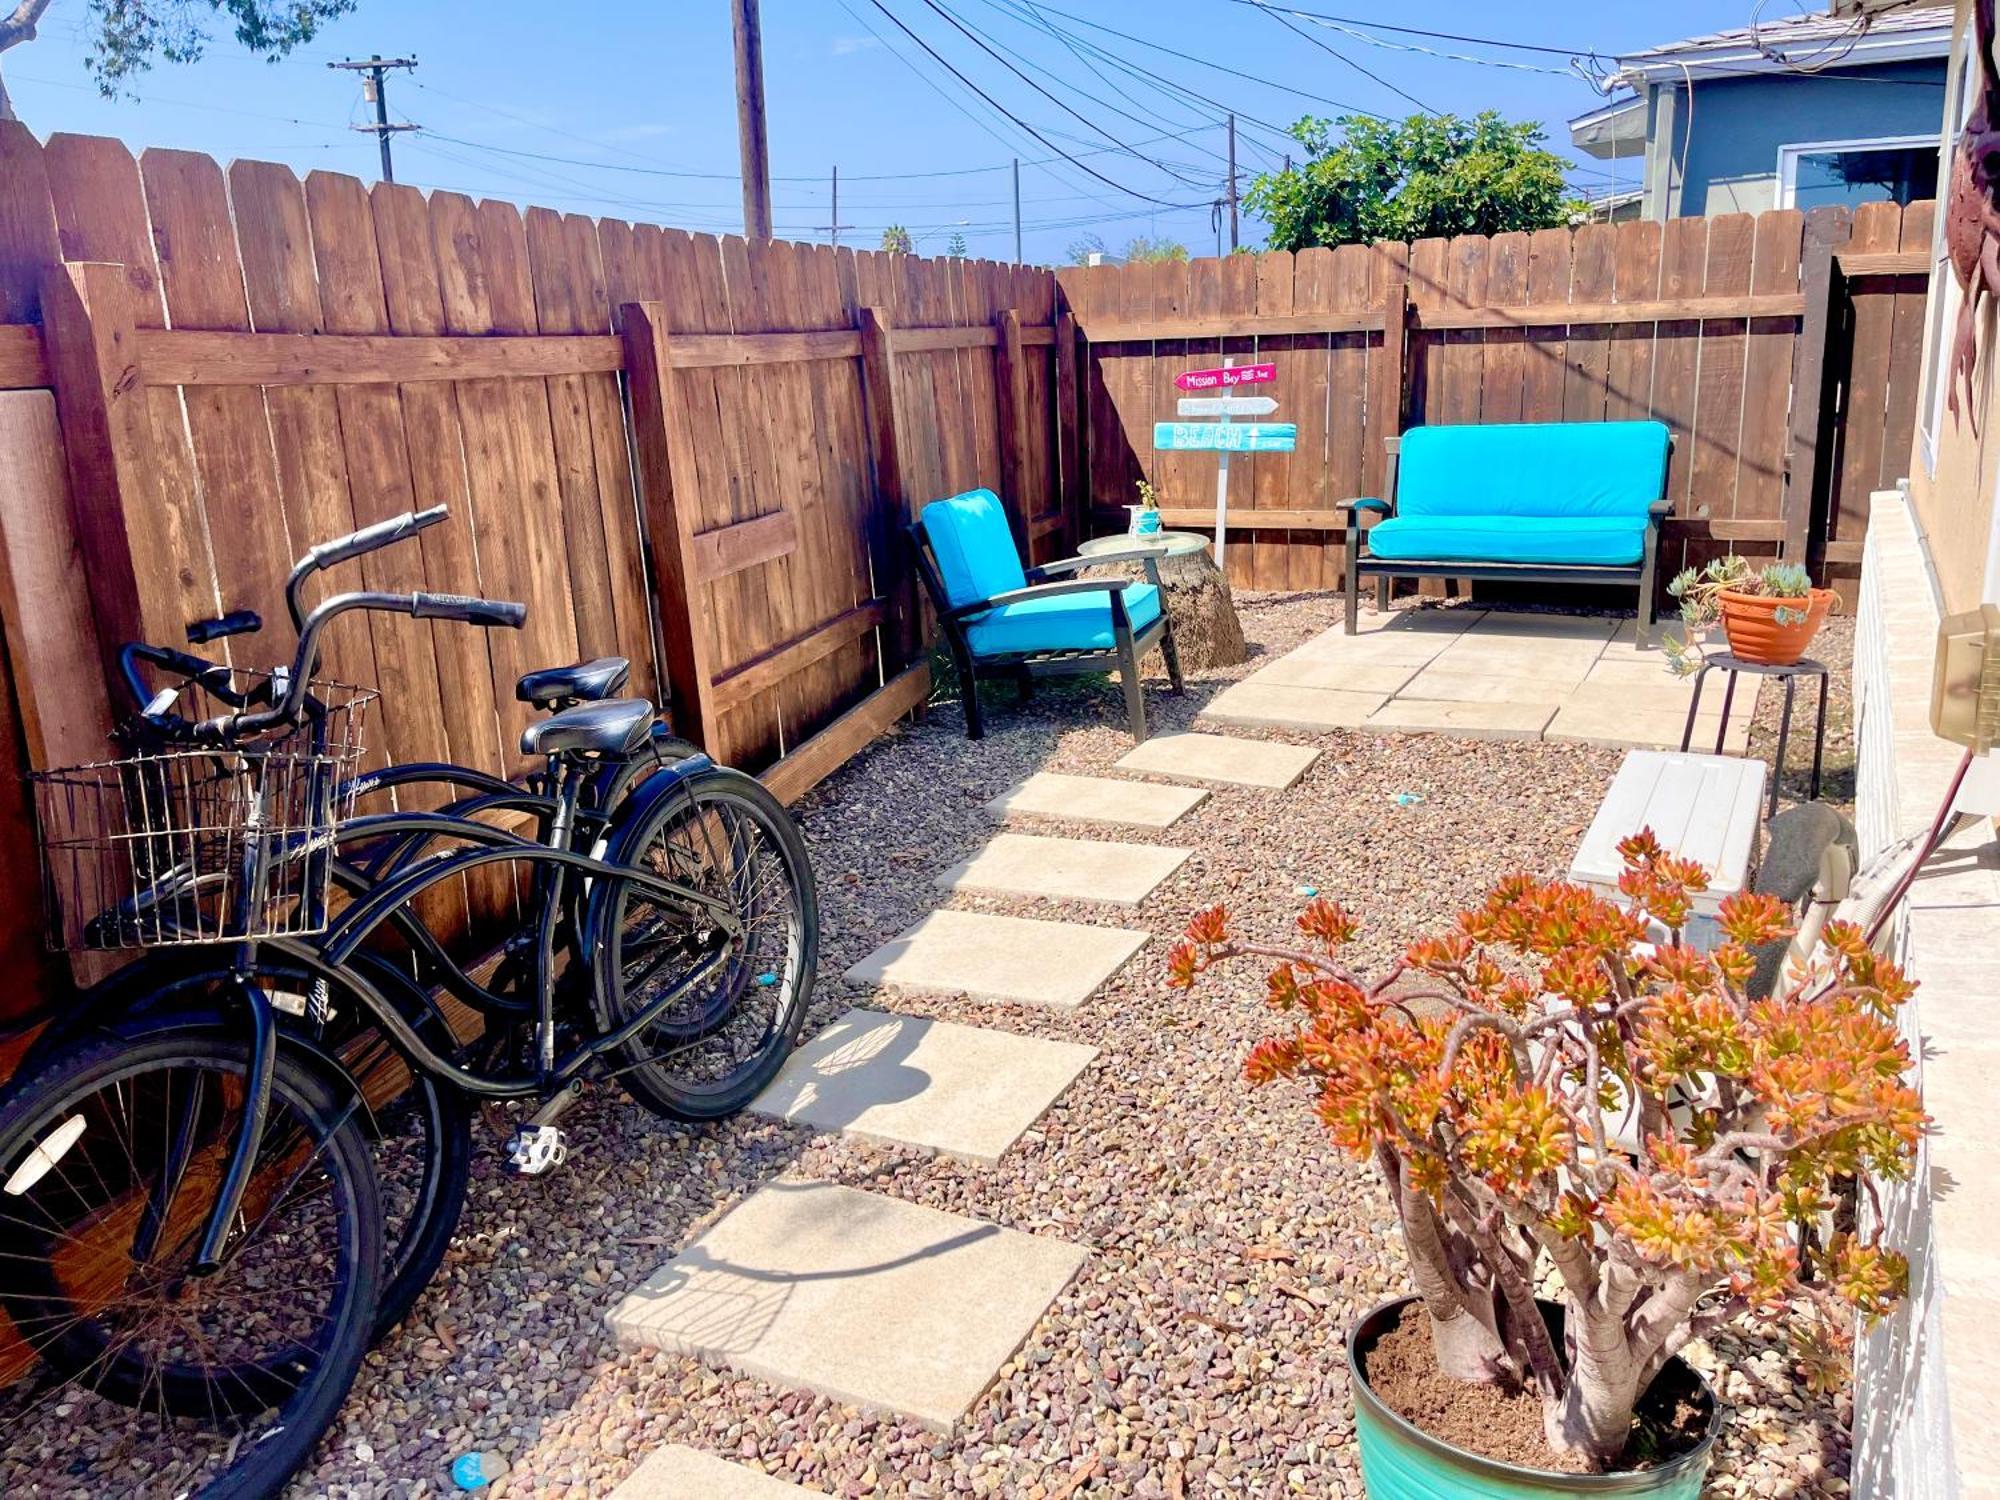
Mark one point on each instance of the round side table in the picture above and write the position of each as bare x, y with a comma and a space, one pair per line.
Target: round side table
1206, 629
1805, 666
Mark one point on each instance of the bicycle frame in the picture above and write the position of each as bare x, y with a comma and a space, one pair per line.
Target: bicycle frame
326, 958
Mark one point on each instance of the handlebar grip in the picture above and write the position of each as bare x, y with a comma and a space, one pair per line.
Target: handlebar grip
236, 622
213, 676
381, 534
489, 612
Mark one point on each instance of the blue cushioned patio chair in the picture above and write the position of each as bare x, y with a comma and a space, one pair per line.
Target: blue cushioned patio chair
1535, 502
1001, 619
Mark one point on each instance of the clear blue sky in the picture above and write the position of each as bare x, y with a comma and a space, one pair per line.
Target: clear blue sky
650, 87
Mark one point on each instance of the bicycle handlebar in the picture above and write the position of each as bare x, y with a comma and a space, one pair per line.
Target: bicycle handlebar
286, 711
236, 622
354, 544
216, 679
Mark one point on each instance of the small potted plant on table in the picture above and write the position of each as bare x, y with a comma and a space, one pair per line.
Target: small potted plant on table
1770, 615
1556, 1107
1146, 514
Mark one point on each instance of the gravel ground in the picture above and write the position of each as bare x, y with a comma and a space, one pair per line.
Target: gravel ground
1199, 1351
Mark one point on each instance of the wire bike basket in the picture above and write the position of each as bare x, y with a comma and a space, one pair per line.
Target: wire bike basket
182, 844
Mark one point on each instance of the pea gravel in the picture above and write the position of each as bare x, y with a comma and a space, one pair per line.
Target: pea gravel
1199, 1353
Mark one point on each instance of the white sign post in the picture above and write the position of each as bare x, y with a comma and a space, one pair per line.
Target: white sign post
1222, 488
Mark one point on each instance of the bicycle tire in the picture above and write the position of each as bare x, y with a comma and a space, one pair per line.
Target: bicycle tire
305, 1394
640, 1065
416, 1236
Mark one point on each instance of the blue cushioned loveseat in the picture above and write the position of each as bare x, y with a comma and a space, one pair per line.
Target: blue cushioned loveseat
1537, 502
1002, 619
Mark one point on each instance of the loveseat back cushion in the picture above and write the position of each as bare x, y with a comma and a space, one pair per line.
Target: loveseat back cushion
1577, 541
1549, 469
1061, 622
974, 547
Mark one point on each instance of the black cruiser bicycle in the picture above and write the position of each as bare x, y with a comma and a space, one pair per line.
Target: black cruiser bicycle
192, 1248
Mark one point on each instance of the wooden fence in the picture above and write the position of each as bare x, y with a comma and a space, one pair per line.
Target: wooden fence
1783, 351
691, 451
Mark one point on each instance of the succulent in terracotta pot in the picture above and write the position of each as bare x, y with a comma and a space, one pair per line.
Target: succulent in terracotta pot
1557, 1105
1769, 615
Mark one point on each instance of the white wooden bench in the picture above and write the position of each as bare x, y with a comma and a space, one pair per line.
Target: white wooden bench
1702, 807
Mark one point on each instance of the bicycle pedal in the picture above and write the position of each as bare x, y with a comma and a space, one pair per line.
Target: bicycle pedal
537, 1149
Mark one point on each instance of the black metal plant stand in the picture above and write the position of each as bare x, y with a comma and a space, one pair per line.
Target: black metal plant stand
1790, 674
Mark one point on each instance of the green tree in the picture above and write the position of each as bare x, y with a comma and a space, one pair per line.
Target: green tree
128, 36
1409, 179
1142, 249
896, 240
955, 246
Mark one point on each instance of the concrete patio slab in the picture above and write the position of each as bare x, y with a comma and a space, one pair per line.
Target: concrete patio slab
1018, 864
1601, 722
854, 1295
1387, 648
1520, 656
985, 957
1334, 672
1500, 624
1221, 758
677, 1473
1287, 706
1098, 799
1439, 683
1450, 620
1473, 721
964, 1091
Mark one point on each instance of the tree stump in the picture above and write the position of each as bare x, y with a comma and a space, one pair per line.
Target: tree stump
1198, 601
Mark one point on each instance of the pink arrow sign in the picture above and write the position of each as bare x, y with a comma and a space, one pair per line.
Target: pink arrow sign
1208, 380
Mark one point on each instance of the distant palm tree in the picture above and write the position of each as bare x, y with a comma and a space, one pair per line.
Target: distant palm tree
896, 240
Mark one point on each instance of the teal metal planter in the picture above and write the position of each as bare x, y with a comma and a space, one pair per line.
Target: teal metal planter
1402, 1462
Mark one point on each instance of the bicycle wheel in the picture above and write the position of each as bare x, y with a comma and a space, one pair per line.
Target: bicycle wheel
718, 832
422, 1145
152, 1380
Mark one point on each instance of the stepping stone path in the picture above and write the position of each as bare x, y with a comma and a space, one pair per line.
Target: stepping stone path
857, 1296
1221, 758
677, 1473
1095, 799
962, 1090
1014, 959
1015, 864
873, 1300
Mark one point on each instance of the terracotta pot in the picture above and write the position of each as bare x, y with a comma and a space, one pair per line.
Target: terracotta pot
1755, 632
1400, 1461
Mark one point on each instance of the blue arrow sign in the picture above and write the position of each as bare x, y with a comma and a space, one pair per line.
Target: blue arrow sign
1225, 437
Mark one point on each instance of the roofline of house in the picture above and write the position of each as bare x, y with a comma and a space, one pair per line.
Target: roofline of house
1704, 58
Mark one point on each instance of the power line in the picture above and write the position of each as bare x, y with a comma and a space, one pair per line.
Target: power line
1332, 51
993, 52
949, 67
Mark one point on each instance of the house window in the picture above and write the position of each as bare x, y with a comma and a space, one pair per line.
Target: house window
1942, 311
1887, 169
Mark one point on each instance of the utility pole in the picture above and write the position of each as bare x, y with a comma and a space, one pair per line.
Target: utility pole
833, 229
1017, 210
375, 87
752, 143
1232, 181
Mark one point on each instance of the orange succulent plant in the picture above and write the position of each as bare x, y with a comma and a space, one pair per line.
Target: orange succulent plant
1544, 1089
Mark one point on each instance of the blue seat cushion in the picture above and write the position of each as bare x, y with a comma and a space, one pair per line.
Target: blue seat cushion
1600, 541
1551, 469
1062, 622
974, 547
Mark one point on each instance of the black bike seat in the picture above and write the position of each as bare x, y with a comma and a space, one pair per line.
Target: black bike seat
584, 681
617, 726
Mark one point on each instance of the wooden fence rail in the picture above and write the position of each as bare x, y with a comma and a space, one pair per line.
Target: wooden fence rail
1783, 352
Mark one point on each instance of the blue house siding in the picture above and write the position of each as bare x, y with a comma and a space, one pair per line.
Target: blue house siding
1739, 124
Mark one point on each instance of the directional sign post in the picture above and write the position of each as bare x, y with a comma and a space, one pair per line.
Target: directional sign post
1222, 437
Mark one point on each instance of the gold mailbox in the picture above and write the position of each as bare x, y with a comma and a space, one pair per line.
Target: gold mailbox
1965, 687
